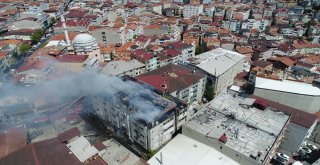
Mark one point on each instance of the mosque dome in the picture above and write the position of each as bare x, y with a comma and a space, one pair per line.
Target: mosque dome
84, 43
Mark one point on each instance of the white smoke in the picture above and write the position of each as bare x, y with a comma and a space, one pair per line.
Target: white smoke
70, 86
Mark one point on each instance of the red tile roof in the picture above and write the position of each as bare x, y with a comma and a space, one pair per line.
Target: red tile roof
33, 64
297, 116
72, 23
2, 55
171, 78
285, 60
46, 152
172, 52
142, 38
76, 13
141, 55
73, 58
25, 32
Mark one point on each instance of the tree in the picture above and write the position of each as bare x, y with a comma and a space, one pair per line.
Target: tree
149, 154
251, 17
24, 48
199, 49
53, 21
112, 56
36, 37
209, 93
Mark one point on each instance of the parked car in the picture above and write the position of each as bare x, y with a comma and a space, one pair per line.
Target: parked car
279, 160
304, 150
312, 147
284, 156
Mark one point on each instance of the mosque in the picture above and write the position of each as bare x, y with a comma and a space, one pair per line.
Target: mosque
82, 44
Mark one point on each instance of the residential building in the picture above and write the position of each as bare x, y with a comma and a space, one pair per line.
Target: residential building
107, 36
306, 48
260, 25
73, 26
179, 81
208, 10
22, 34
151, 61
140, 115
220, 65
130, 68
38, 7
192, 10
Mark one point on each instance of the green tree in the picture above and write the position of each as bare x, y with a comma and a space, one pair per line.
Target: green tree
15, 54
149, 154
112, 56
251, 17
37, 35
24, 48
53, 21
200, 49
209, 93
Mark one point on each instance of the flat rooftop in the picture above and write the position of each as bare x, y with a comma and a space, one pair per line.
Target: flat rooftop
248, 130
118, 154
147, 106
115, 68
287, 86
186, 151
216, 61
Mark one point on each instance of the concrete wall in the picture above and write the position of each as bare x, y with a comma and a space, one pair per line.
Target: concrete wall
111, 36
310, 104
226, 79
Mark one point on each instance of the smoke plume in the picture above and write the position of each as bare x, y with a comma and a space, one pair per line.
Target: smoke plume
71, 86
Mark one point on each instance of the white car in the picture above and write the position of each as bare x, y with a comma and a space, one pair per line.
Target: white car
283, 156
304, 150
312, 147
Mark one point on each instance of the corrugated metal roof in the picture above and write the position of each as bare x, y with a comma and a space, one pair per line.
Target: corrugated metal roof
287, 86
46, 152
297, 116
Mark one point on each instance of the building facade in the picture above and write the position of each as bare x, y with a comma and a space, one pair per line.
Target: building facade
220, 65
150, 122
192, 10
179, 81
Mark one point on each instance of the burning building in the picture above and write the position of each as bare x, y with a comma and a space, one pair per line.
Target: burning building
133, 110
144, 118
